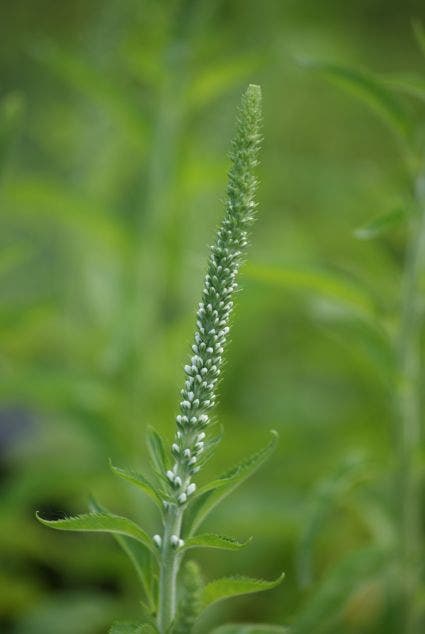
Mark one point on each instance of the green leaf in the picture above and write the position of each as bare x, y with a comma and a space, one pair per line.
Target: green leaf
330, 284
228, 587
101, 523
127, 627
213, 493
140, 481
371, 90
210, 540
250, 628
379, 225
157, 452
139, 555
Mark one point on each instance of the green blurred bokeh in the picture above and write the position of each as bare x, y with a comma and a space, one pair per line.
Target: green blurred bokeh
115, 120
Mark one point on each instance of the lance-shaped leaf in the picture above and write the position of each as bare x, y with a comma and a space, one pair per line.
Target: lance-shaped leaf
211, 540
214, 492
228, 587
250, 628
140, 481
371, 90
101, 523
139, 555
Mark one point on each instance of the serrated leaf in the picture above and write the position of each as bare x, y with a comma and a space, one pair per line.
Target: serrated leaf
140, 481
101, 523
250, 628
211, 540
335, 286
130, 627
379, 225
139, 555
371, 90
228, 587
212, 494
157, 452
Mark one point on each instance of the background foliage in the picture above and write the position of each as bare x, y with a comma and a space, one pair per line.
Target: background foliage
115, 119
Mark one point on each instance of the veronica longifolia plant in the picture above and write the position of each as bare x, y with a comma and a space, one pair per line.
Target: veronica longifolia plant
183, 507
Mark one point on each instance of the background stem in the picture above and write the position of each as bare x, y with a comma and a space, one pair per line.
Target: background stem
409, 411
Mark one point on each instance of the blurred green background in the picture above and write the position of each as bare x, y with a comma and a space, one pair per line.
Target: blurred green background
115, 121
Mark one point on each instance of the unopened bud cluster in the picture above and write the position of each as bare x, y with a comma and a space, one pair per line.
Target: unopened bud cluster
198, 395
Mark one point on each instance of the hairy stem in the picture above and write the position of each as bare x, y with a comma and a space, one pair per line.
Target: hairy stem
169, 567
409, 412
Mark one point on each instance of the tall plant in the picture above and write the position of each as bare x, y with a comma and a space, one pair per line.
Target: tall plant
173, 488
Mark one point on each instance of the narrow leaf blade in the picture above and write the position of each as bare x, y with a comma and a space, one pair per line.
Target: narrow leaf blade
101, 523
211, 540
371, 90
140, 481
228, 587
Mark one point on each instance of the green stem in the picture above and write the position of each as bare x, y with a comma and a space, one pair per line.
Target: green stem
169, 567
409, 411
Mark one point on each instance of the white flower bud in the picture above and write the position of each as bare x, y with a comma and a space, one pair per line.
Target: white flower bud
191, 488
182, 498
158, 540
